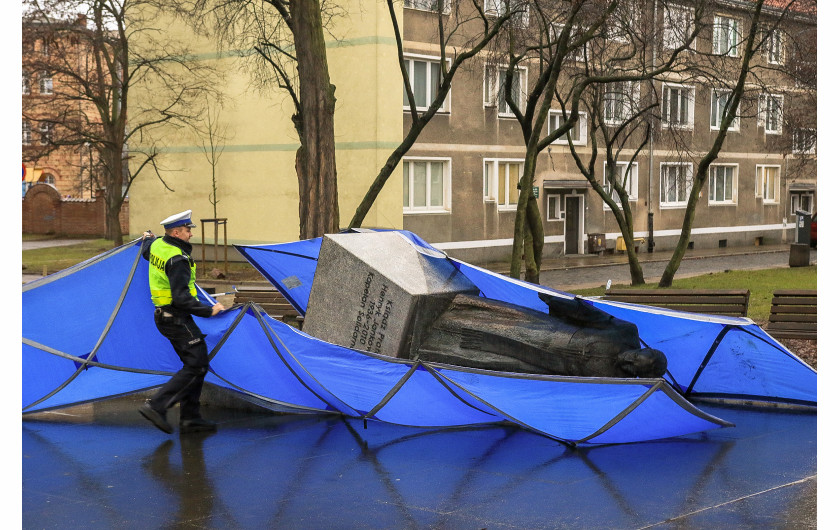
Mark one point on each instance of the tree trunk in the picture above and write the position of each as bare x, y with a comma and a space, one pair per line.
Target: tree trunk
534, 241
113, 195
315, 159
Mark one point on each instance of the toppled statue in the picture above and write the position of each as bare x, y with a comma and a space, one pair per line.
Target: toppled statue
574, 339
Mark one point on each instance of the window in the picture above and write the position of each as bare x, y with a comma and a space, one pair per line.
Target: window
615, 31
27, 132
805, 141
803, 201
501, 176
500, 7
723, 181
426, 184
46, 133
494, 83
675, 183
578, 133
678, 25
720, 104
767, 182
45, 83
677, 106
27, 84
424, 75
629, 180
726, 36
555, 207
48, 179
45, 47
773, 46
428, 5
579, 53
620, 101
770, 113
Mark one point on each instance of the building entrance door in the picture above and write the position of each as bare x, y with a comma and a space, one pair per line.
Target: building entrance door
573, 224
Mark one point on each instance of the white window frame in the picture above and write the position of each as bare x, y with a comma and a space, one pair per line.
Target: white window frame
446, 200
796, 140
581, 128
45, 130
733, 185
633, 192
494, 8
556, 28
663, 189
630, 91
492, 89
796, 201
716, 114
671, 36
45, 83
761, 191
774, 46
726, 36
554, 213
26, 133
26, 84
426, 5
763, 112
426, 60
668, 89
491, 181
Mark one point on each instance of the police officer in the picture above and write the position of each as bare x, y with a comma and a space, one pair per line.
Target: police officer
172, 285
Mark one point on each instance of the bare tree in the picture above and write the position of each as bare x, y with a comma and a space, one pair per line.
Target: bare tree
467, 29
214, 136
287, 37
569, 33
732, 82
100, 55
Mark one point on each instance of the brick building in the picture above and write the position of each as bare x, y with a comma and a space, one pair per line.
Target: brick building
69, 168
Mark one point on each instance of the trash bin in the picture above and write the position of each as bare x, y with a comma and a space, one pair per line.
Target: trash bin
596, 244
802, 234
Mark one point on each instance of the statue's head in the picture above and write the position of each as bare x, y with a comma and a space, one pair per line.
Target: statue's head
643, 362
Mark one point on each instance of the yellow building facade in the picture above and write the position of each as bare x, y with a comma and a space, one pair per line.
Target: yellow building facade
257, 188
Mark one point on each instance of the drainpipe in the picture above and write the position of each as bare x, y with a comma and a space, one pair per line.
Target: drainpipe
651, 243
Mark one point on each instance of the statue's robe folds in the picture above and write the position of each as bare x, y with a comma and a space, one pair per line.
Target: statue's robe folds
574, 338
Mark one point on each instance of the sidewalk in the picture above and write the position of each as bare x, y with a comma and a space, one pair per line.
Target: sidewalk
562, 263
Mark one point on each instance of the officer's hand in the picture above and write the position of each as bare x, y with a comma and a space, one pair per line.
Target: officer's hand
148, 234
217, 308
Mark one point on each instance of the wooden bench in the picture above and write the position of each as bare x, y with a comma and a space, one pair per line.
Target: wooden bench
793, 314
272, 302
731, 302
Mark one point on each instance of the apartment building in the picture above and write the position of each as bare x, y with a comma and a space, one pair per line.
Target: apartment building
67, 168
460, 176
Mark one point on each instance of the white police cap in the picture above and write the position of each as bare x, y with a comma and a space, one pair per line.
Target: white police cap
179, 219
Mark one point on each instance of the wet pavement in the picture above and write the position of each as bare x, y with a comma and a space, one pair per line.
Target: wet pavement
104, 466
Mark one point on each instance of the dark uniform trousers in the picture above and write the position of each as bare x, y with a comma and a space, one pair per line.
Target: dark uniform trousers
185, 385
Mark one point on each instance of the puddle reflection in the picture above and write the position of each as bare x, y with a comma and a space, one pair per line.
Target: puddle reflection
316, 471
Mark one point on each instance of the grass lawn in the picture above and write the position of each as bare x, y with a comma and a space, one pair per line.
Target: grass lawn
54, 259
761, 284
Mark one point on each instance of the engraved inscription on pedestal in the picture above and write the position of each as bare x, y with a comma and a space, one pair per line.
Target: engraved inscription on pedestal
375, 291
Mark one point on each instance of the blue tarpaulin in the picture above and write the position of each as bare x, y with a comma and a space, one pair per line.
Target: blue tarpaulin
113, 348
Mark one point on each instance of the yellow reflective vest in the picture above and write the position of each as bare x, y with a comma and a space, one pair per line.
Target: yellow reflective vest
161, 252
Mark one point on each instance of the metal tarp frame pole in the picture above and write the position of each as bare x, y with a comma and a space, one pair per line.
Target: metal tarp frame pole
84, 363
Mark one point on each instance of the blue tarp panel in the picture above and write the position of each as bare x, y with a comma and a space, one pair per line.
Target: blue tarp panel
112, 348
